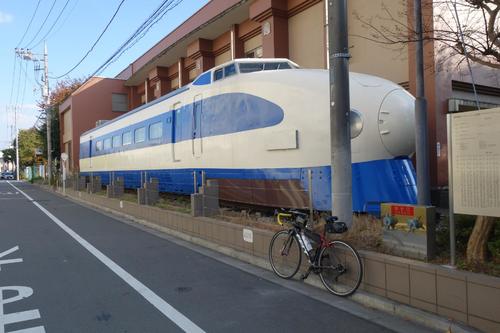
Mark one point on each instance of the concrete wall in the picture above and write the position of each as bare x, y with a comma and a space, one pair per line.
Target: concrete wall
307, 37
224, 57
387, 61
470, 298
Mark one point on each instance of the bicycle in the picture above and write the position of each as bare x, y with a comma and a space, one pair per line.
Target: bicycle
336, 262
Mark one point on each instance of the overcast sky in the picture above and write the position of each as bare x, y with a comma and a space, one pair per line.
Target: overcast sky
68, 39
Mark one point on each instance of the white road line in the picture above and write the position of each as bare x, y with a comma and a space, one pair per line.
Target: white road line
169, 311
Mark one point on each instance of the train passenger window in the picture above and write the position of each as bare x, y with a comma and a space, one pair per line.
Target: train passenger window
218, 74
127, 138
229, 70
107, 143
98, 146
116, 141
155, 131
140, 135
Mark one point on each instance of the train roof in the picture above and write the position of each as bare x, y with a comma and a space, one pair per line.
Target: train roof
243, 66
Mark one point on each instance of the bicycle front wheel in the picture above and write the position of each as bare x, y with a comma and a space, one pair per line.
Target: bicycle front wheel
285, 255
341, 270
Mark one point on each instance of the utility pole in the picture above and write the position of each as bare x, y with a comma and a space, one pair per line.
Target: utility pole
26, 54
340, 130
421, 145
17, 142
47, 111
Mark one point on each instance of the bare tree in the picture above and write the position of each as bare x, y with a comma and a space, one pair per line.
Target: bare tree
459, 29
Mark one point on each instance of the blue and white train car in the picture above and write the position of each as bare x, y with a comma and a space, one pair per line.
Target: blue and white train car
258, 126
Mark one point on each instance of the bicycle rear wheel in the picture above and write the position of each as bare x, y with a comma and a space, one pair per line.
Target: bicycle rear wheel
341, 270
285, 254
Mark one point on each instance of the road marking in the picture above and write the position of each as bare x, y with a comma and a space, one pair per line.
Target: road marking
17, 317
166, 309
9, 261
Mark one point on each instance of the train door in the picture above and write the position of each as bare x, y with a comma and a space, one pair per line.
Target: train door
197, 140
90, 152
176, 131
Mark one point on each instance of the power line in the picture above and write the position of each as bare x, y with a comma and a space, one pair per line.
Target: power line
43, 24
53, 24
29, 24
24, 88
93, 45
13, 79
18, 84
165, 7
161, 15
65, 19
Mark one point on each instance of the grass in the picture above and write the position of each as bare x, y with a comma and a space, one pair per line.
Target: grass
176, 203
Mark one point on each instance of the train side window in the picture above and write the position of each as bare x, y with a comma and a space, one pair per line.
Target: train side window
127, 138
116, 141
218, 74
107, 143
229, 70
98, 145
155, 130
140, 135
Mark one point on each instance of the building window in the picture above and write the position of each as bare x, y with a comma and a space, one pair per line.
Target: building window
127, 138
140, 135
98, 146
119, 102
116, 141
155, 131
255, 53
107, 143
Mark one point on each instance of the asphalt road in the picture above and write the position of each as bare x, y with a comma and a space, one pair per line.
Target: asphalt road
67, 268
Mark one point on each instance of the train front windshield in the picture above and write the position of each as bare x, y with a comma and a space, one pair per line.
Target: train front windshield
249, 67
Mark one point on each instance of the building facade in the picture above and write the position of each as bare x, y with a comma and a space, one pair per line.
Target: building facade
97, 100
296, 29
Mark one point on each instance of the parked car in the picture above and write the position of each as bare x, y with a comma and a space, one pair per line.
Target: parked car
8, 176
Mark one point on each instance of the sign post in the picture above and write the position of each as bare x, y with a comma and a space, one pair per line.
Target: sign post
64, 158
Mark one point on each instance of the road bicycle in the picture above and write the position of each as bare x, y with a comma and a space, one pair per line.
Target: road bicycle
335, 261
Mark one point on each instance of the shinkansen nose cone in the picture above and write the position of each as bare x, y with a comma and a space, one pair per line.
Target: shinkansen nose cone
396, 121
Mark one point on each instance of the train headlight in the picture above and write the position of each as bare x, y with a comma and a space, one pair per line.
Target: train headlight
356, 123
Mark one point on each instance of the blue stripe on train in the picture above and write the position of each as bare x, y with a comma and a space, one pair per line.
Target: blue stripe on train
216, 115
373, 182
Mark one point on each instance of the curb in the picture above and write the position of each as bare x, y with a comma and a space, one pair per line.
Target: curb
361, 297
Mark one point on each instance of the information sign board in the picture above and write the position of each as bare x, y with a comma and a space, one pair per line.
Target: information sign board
475, 162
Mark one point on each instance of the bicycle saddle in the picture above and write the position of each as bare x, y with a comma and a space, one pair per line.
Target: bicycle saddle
331, 219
